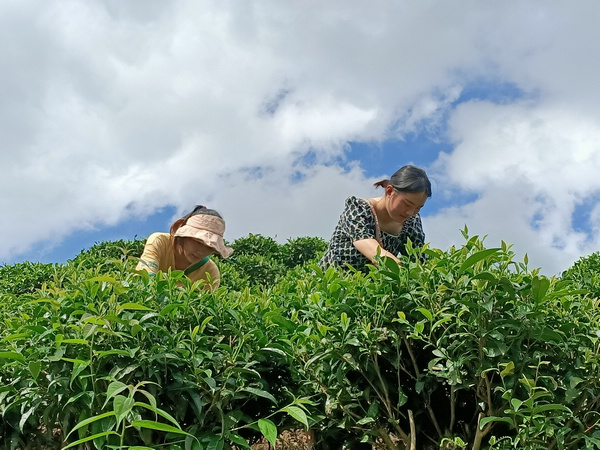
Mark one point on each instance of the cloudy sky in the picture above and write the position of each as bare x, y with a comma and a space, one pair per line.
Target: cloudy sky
119, 116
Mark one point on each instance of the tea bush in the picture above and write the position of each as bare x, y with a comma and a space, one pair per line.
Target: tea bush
586, 273
466, 348
24, 278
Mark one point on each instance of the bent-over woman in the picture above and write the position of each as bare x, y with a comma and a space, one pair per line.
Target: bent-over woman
188, 247
382, 224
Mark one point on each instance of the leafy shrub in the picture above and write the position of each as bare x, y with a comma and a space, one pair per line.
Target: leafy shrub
302, 250
24, 278
586, 273
468, 348
261, 261
109, 252
255, 244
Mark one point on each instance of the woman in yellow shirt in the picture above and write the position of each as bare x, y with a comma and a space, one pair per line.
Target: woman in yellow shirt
188, 247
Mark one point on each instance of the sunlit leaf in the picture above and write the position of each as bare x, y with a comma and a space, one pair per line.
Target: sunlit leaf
90, 438
152, 425
476, 257
297, 413
13, 356
113, 389
269, 430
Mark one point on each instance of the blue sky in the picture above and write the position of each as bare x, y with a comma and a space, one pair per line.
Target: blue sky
118, 117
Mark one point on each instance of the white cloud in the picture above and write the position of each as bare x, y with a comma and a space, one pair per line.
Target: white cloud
113, 108
531, 165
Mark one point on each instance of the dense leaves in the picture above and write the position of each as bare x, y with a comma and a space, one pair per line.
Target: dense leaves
463, 349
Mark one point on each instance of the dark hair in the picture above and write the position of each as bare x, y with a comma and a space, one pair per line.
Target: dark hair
408, 179
198, 209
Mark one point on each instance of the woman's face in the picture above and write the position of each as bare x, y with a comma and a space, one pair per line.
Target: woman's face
195, 250
402, 205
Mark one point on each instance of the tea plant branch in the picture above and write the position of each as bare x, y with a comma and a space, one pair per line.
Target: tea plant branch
385, 437
480, 433
489, 394
413, 431
385, 399
411, 354
418, 373
452, 407
486, 395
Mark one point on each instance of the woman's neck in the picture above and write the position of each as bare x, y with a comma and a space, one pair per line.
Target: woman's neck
383, 217
380, 209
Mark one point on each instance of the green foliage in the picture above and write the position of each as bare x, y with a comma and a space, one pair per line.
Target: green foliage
261, 261
25, 278
586, 273
302, 250
106, 253
468, 349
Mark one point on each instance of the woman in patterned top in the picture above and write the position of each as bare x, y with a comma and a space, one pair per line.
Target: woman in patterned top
188, 245
380, 224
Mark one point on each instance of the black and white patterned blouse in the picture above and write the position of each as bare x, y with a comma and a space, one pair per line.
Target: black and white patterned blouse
358, 222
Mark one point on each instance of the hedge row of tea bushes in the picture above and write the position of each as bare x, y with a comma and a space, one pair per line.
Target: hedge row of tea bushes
468, 349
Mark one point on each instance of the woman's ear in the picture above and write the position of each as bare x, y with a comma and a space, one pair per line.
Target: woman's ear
389, 189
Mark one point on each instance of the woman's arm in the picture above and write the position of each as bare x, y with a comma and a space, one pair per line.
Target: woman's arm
370, 247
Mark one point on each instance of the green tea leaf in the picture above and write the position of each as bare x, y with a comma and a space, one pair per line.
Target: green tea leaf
114, 388
345, 321
476, 257
24, 417
12, 355
539, 287
133, 307
550, 407
260, 393
487, 420
90, 438
216, 443
297, 413
365, 420
508, 370
426, 313
90, 420
122, 406
269, 430
239, 441
274, 350
152, 425
35, 368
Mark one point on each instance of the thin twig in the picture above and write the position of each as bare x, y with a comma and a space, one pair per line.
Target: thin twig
413, 432
489, 394
452, 407
433, 418
416, 367
411, 354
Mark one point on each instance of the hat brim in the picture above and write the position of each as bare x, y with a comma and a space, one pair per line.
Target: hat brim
209, 238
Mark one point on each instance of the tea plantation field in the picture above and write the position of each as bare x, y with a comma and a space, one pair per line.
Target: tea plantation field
462, 348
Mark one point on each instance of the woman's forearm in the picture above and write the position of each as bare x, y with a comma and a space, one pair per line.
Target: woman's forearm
371, 248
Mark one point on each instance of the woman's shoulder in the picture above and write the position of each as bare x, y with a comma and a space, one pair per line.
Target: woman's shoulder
354, 202
158, 239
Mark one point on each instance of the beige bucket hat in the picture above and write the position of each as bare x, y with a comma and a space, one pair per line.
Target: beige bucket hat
207, 229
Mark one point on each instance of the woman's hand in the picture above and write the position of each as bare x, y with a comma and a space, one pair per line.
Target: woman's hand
370, 248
